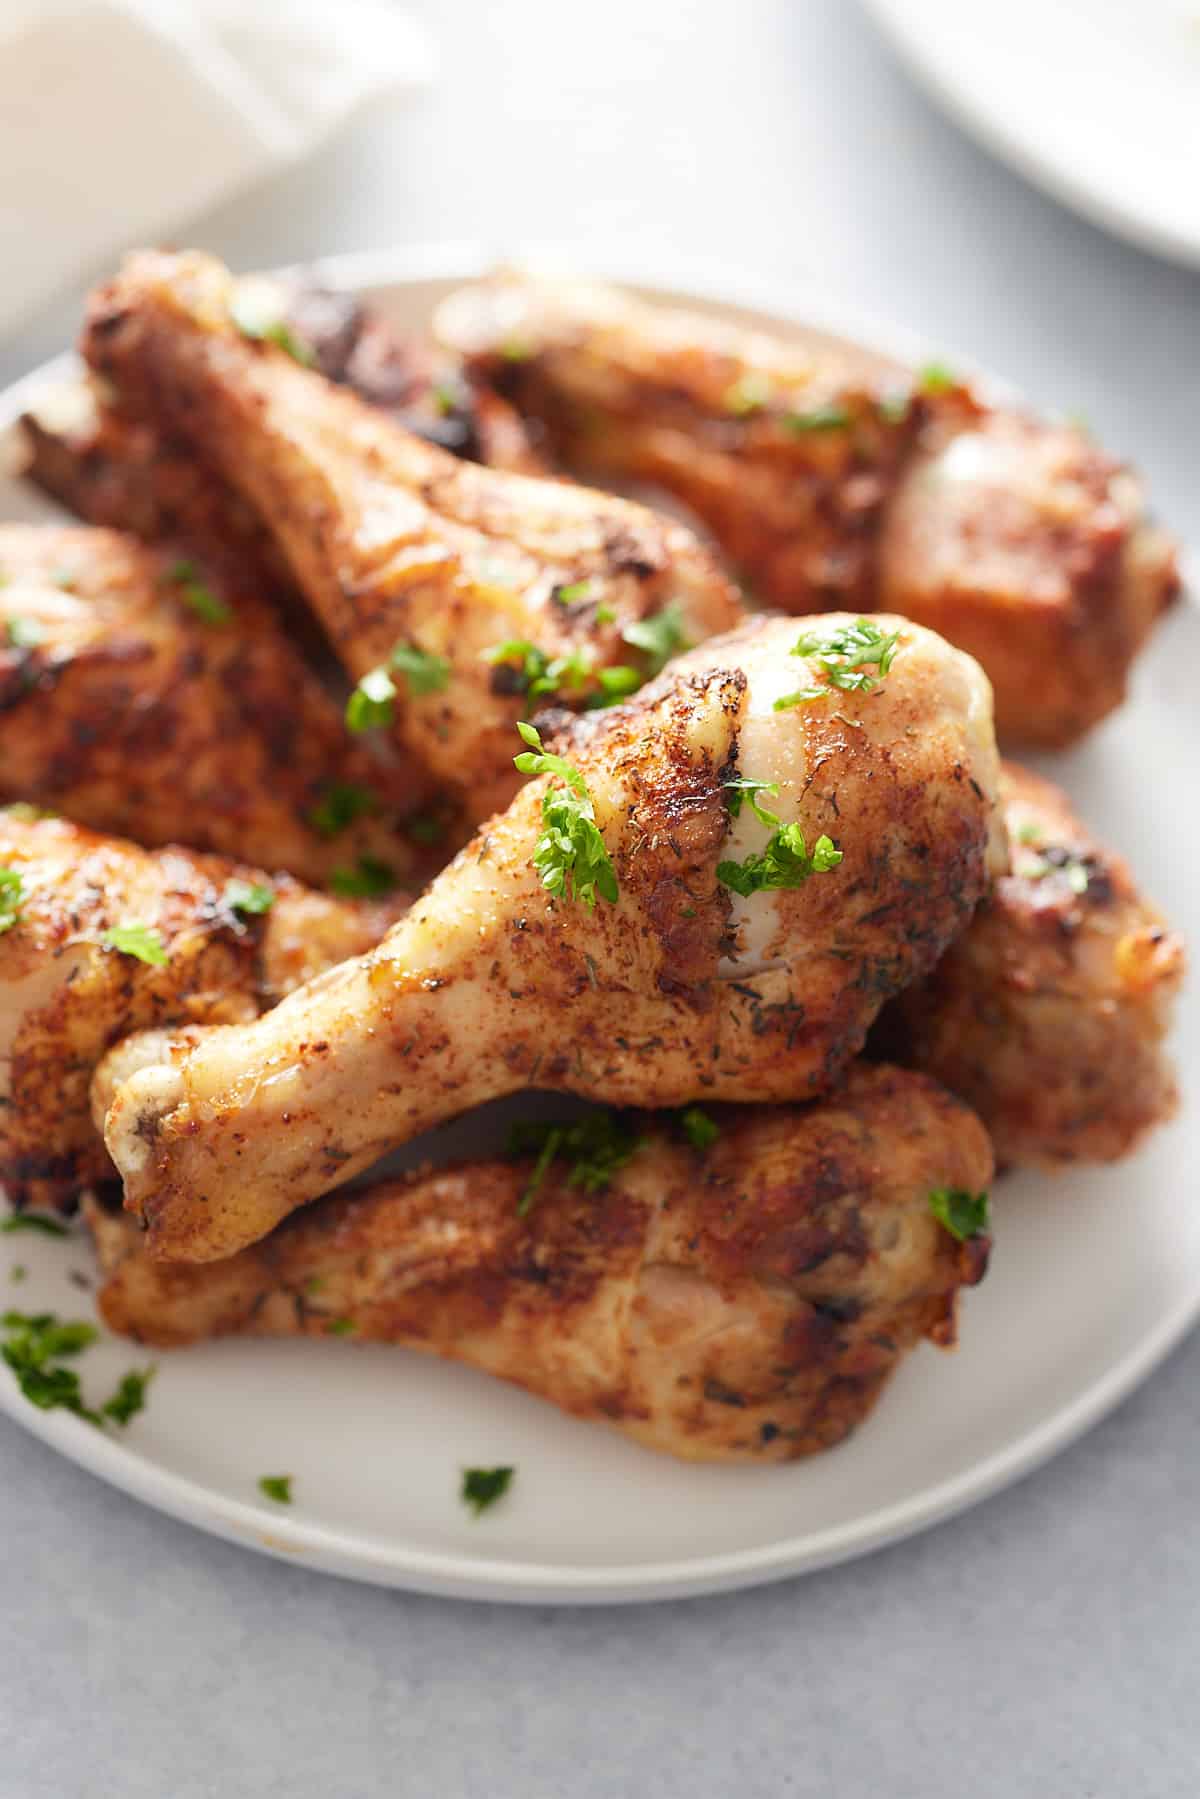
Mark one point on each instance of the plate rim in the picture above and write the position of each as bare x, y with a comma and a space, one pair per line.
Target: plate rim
359, 1556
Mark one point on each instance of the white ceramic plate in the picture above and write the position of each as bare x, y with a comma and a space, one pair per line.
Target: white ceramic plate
1095, 1276
1097, 101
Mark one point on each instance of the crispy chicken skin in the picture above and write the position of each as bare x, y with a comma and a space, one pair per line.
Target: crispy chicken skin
67, 997
122, 706
1048, 1014
681, 989
1020, 541
121, 472
742, 1305
397, 545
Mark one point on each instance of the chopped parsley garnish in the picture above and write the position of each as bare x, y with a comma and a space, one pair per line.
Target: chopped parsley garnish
339, 806
1059, 862
24, 633
197, 595
341, 1327
785, 861
594, 1147
482, 1487
277, 1487
35, 1346
748, 791
574, 590
250, 898
659, 637
258, 313
700, 1130
820, 418
893, 405
605, 614
139, 940
423, 671
936, 378
570, 855
17, 1272
963, 1214
373, 702
844, 656
34, 1221
130, 1396
615, 684
425, 828
12, 892
536, 673
367, 880
1029, 833
749, 393
446, 397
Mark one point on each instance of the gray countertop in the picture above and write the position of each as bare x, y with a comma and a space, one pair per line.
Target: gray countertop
1046, 1642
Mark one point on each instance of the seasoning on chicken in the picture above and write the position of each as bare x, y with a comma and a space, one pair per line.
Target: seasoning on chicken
1048, 1014
1020, 541
460, 598
145, 696
744, 1303
99, 938
709, 893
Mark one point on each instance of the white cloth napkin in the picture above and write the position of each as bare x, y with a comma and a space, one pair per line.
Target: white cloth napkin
121, 119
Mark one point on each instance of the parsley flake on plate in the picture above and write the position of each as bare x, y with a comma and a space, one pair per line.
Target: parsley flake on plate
130, 1396
570, 856
34, 1221
482, 1487
277, 1487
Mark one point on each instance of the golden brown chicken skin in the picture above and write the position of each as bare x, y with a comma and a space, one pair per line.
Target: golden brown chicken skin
464, 596
743, 1304
144, 695
685, 979
1048, 1014
69, 991
1020, 541
114, 470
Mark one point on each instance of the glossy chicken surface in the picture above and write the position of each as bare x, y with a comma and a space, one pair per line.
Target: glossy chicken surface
67, 994
421, 568
145, 696
1020, 541
744, 1304
680, 988
1048, 1014
122, 472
